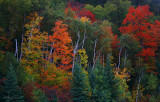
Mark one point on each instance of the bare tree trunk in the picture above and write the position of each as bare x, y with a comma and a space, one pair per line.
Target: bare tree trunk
75, 50
119, 57
140, 77
125, 59
84, 38
94, 56
22, 38
137, 90
77, 45
21, 49
16, 51
50, 53
139, 80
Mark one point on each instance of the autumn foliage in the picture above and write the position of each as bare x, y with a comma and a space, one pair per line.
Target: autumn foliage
62, 54
137, 24
100, 51
80, 11
32, 47
155, 31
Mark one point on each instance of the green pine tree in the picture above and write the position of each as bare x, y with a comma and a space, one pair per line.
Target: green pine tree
9, 59
103, 84
80, 89
11, 92
100, 86
112, 81
92, 77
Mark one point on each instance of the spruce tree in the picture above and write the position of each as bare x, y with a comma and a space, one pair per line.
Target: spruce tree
79, 88
11, 92
112, 81
92, 77
9, 59
101, 89
103, 83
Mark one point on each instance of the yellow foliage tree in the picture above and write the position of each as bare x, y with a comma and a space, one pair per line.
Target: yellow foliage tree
123, 76
83, 58
32, 47
85, 19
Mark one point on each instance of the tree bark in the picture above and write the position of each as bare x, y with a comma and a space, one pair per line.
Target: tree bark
119, 57
125, 59
94, 56
75, 50
139, 80
16, 51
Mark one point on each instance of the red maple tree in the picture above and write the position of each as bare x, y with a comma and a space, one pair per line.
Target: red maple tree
80, 11
137, 24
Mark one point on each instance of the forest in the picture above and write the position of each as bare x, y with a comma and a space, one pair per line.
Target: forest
79, 50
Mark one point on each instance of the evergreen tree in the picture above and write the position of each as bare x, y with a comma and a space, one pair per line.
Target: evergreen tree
9, 59
11, 92
103, 84
100, 86
79, 88
92, 77
112, 81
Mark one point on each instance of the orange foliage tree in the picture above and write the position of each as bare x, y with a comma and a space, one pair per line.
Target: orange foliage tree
35, 59
61, 43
